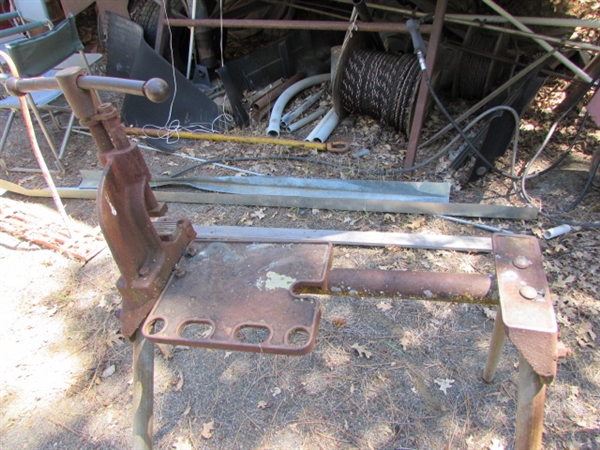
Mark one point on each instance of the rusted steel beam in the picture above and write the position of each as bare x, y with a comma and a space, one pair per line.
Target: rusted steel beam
455, 287
423, 96
332, 25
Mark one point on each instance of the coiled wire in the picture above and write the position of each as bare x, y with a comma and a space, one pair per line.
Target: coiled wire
381, 85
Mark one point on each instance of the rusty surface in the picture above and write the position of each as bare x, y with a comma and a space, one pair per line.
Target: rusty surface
421, 106
529, 319
261, 107
456, 287
228, 291
125, 204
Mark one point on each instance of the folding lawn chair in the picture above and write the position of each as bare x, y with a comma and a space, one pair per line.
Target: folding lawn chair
44, 55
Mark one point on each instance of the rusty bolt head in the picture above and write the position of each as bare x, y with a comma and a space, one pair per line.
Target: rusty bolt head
178, 271
528, 292
144, 271
191, 250
521, 262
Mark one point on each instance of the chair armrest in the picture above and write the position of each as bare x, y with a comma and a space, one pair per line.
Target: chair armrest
22, 28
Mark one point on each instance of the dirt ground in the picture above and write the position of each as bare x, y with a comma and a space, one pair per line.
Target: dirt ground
414, 383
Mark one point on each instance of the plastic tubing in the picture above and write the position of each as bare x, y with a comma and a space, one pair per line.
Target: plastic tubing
293, 115
305, 121
286, 96
557, 231
324, 128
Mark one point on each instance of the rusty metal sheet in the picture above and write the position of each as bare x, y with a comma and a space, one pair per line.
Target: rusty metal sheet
238, 296
526, 302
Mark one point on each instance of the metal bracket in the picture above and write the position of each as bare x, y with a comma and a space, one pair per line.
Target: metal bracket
526, 302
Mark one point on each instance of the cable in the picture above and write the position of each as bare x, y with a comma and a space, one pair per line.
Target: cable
417, 41
586, 188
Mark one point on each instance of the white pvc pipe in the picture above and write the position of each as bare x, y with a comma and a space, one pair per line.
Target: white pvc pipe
557, 231
562, 58
324, 128
191, 49
293, 115
327, 128
286, 96
305, 121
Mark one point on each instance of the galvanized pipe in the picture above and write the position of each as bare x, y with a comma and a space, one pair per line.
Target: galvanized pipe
325, 127
274, 126
333, 25
461, 287
304, 121
531, 398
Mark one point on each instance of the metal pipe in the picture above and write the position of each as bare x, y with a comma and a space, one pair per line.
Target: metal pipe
143, 391
461, 287
264, 91
333, 25
286, 96
335, 147
474, 224
531, 398
304, 121
313, 133
559, 56
293, 115
561, 42
155, 89
191, 44
262, 105
477, 19
322, 132
496, 347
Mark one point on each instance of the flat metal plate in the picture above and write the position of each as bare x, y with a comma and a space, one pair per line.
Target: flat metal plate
518, 312
239, 296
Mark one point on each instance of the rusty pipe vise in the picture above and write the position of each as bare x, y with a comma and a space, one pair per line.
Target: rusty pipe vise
171, 283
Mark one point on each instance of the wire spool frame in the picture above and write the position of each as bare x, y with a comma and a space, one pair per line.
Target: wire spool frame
476, 72
381, 85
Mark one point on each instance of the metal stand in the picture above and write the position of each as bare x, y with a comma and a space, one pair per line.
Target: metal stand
168, 276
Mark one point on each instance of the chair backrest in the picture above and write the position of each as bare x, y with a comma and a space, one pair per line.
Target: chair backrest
32, 10
38, 54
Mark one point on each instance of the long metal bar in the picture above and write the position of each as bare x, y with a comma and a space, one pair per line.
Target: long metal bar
423, 95
333, 25
558, 41
478, 18
454, 287
531, 398
143, 392
451, 209
340, 237
335, 147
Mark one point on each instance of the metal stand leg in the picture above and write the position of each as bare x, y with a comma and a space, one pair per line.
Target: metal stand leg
143, 392
496, 346
531, 398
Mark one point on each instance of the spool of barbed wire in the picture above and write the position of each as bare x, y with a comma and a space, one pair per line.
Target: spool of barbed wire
477, 66
380, 85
